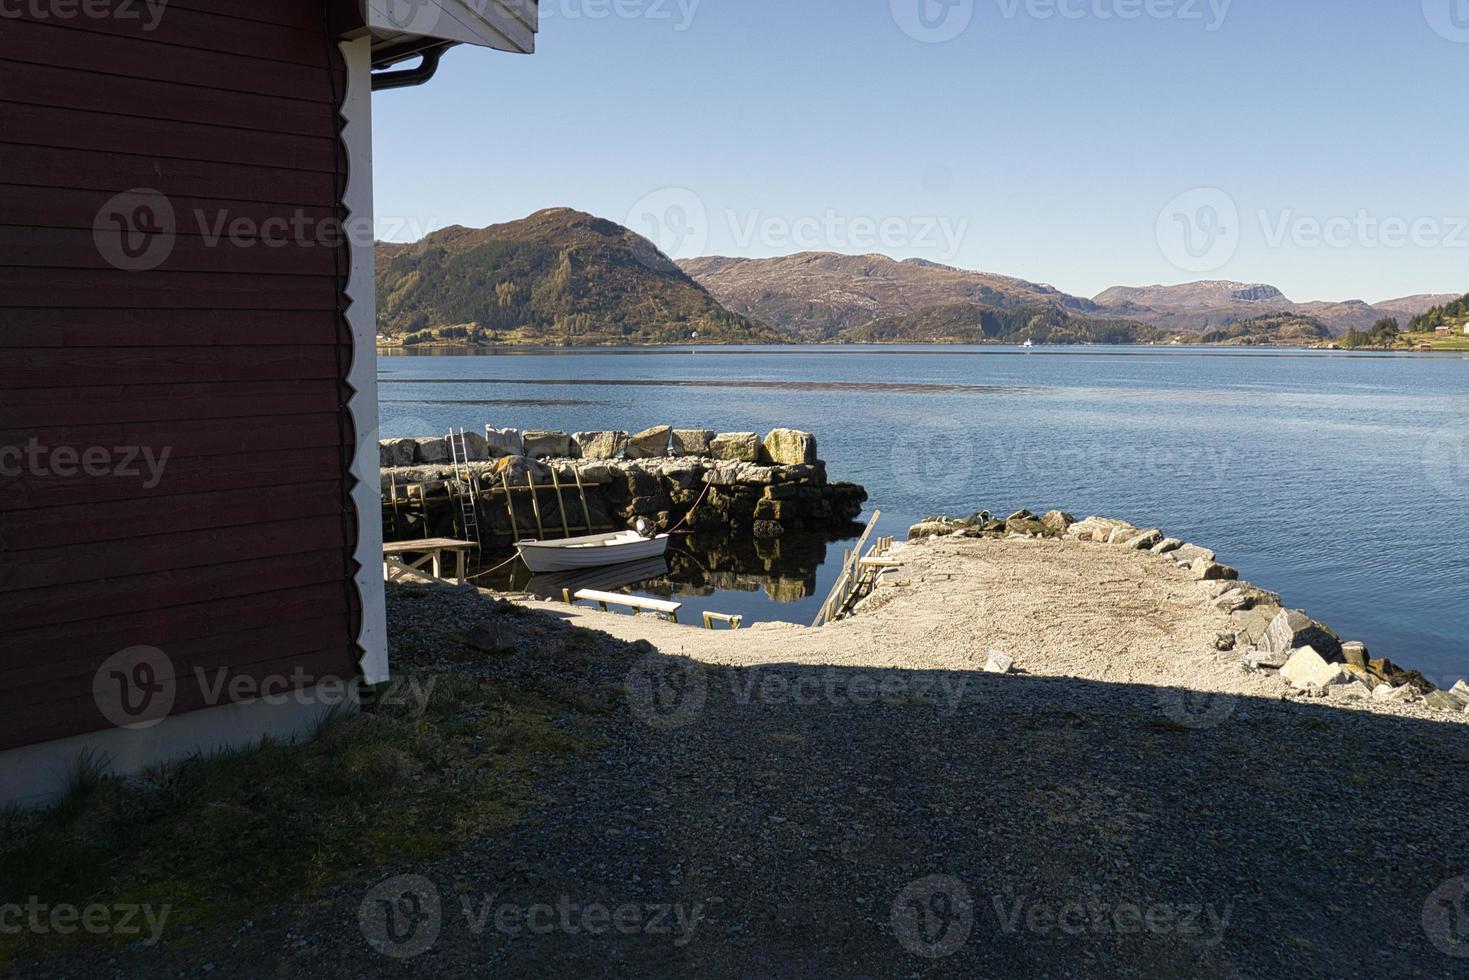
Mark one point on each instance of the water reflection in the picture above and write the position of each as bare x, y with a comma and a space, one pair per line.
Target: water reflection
777, 579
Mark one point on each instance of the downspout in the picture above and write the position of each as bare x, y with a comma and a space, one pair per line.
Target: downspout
408, 77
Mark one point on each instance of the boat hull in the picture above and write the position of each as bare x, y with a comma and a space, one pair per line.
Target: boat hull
590, 552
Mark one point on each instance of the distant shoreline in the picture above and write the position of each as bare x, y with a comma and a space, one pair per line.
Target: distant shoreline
1050, 350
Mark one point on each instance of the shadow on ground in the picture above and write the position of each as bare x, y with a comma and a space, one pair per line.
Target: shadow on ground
795, 821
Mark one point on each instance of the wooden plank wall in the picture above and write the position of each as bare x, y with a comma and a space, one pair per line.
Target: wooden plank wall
230, 356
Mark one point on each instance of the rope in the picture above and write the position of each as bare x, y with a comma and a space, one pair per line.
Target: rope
490, 571
698, 500
696, 503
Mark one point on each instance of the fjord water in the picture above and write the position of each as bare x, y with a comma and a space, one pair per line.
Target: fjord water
1339, 480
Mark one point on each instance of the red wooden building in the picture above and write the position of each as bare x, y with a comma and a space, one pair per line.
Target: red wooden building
189, 515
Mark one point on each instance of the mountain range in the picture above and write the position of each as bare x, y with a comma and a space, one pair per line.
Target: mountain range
561, 276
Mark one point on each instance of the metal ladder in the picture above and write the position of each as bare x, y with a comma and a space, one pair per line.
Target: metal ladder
466, 484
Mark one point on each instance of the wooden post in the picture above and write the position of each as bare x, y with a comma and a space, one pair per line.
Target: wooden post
510, 503
581, 490
535, 505
560, 504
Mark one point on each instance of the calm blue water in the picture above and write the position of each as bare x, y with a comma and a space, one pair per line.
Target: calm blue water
1339, 480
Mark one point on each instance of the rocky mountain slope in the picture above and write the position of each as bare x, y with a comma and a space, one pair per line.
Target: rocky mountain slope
558, 276
821, 295
1213, 305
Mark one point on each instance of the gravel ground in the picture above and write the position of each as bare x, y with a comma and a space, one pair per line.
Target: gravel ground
864, 801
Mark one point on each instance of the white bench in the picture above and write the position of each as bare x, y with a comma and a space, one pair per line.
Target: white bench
636, 603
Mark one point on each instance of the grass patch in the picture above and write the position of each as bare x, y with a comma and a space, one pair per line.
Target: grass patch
217, 837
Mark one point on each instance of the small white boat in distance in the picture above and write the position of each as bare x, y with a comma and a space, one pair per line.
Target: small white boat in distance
592, 551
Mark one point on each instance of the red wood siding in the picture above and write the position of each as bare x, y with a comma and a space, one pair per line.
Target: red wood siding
230, 356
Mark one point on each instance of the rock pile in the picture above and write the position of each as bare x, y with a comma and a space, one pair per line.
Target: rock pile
1266, 635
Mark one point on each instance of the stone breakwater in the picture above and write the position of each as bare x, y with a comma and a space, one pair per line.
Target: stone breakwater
1265, 635
741, 483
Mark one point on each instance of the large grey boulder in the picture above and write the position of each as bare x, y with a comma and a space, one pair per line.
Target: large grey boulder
1057, 520
1209, 571
1144, 540
1189, 553
475, 445
1095, 528
431, 450
1166, 545
601, 445
740, 447
398, 452
1292, 629
1306, 669
691, 442
788, 447
504, 442
650, 443
543, 443
999, 663
1443, 700
1460, 690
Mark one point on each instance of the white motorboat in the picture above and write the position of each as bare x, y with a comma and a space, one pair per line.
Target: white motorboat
592, 551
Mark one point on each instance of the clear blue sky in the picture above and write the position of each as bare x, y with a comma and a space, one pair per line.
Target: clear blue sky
1040, 147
